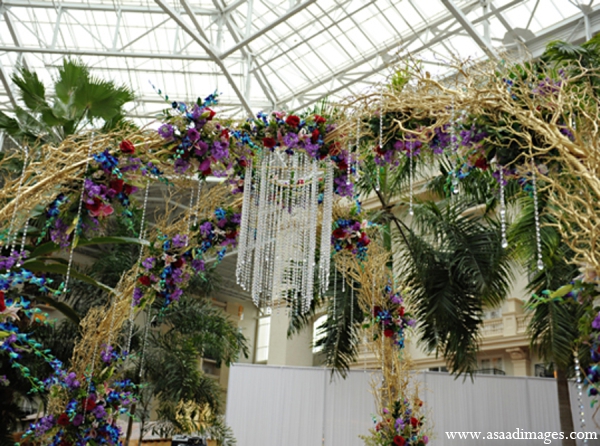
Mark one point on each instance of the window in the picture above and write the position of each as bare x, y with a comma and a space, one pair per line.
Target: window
492, 314
492, 366
438, 369
318, 333
262, 339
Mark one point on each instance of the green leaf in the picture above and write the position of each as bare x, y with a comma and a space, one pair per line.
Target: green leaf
50, 247
60, 306
42, 267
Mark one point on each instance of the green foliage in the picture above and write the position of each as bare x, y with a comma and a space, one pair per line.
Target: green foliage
455, 267
80, 101
553, 328
339, 341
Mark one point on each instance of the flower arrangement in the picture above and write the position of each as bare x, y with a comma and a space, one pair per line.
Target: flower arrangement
15, 315
592, 378
391, 318
93, 405
172, 262
110, 182
220, 231
279, 131
195, 140
350, 234
168, 269
399, 425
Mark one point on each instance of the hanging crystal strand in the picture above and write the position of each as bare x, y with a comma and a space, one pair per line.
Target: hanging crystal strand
296, 237
325, 250
243, 238
277, 280
410, 186
334, 291
78, 219
344, 281
536, 214
16, 206
377, 176
23, 241
502, 208
304, 218
349, 165
258, 251
357, 152
137, 268
454, 149
146, 329
198, 191
579, 392
252, 228
313, 234
351, 285
89, 383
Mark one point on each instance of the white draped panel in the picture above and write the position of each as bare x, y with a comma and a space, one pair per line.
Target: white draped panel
295, 406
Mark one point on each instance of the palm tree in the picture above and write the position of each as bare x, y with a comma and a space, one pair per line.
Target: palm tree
78, 101
553, 328
187, 400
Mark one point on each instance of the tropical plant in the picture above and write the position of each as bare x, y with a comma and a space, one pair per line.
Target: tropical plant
188, 401
79, 101
553, 327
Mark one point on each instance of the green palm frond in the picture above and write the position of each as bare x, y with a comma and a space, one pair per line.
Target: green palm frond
454, 266
339, 340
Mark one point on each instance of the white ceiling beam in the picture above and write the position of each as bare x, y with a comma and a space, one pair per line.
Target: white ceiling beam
209, 50
292, 12
468, 26
91, 6
71, 52
13, 33
536, 46
5, 81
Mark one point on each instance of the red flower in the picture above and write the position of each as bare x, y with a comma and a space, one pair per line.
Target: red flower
211, 114
364, 239
243, 163
414, 422
335, 149
94, 207
2, 303
63, 420
178, 263
225, 134
388, 332
399, 441
88, 403
292, 121
128, 189
127, 146
314, 137
117, 185
145, 280
379, 151
376, 310
320, 119
231, 235
339, 233
269, 143
401, 311
481, 163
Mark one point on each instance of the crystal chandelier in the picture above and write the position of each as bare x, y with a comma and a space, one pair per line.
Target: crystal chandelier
277, 249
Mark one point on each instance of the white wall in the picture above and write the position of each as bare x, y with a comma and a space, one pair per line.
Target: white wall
295, 406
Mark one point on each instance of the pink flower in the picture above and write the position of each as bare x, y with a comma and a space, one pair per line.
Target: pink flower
104, 210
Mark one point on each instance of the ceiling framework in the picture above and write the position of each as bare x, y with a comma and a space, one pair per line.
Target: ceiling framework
268, 54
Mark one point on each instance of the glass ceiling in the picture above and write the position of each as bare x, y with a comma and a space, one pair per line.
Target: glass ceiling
267, 54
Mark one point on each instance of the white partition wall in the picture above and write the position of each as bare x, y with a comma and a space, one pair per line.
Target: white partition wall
294, 406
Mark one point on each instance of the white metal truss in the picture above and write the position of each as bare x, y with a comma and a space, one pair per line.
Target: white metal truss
265, 54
